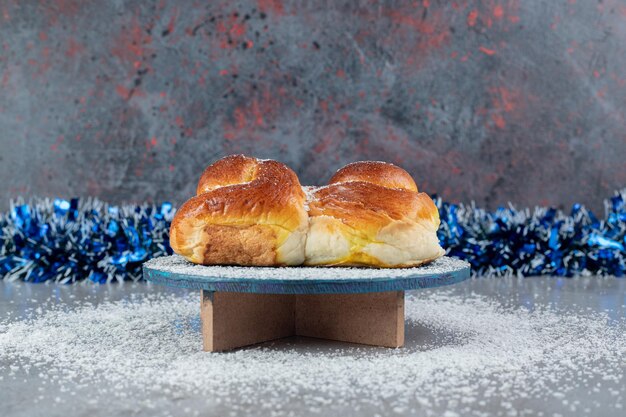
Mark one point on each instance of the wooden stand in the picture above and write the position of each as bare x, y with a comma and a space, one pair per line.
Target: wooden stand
231, 319
241, 308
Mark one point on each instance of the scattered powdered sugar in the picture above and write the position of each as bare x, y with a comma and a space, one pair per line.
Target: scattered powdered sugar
309, 195
176, 264
462, 354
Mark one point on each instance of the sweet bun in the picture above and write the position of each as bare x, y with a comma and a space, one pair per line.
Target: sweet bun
255, 212
246, 212
371, 215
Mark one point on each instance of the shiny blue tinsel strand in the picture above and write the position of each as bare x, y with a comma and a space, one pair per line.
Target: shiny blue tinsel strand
68, 241
543, 241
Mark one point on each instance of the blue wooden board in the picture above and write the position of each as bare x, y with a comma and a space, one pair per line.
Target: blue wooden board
175, 271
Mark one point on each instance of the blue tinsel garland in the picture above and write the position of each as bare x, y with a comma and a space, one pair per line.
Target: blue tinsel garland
67, 241
543, 241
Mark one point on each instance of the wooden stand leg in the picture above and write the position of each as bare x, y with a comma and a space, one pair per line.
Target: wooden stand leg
370, 319
231, 320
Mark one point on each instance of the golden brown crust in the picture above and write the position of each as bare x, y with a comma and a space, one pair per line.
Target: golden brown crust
371, 215
375, 172
363, 205
231, 170
270, 197
243, 205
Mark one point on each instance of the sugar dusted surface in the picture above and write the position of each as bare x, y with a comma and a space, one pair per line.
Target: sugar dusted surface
484, 347
179, 265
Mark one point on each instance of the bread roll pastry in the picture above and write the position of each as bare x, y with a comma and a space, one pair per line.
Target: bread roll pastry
246, 212
255, 212
371, 214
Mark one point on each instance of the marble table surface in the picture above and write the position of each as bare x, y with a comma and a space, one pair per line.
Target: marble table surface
513, 347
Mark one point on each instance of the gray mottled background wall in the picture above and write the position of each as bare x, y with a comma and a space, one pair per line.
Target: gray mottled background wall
491, 100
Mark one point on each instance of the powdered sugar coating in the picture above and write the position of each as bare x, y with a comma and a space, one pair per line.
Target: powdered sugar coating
174, 271
176, 264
